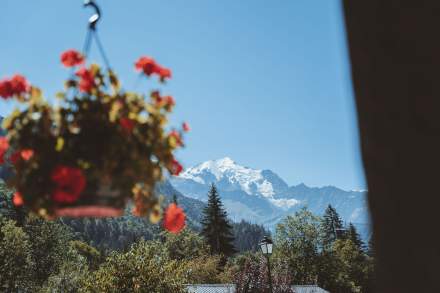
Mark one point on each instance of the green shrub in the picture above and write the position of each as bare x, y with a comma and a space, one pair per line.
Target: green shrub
16, 264
146, 267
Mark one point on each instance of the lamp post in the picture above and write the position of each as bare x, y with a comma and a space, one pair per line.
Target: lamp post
266, 246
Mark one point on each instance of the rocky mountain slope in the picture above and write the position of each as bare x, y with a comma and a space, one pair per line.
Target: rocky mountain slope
261, 196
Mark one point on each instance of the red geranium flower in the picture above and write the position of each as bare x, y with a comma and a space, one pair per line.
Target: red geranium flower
127, 124
69, 183
174, 219
169, 101
164, 73
186, 127
19, 84
156, 97
176, 167
72, 58
15, 85
87, 81
17, 199
4, 145
147, 65
24, 154
6, 89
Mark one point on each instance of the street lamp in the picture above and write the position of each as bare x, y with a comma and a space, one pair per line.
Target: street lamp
266, 246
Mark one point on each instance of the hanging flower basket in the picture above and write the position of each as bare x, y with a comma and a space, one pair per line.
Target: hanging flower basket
97, 149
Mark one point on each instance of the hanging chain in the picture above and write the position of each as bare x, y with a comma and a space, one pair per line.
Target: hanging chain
92, 33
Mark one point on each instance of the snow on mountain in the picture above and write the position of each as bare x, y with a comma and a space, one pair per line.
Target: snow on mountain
231, 176
247, 179
261, 196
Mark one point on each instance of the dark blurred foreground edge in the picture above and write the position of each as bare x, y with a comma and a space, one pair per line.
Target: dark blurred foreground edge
395, 54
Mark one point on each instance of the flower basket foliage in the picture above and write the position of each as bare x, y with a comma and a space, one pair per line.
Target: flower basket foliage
97, 149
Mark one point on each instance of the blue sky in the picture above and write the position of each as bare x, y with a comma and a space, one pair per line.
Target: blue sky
266, 83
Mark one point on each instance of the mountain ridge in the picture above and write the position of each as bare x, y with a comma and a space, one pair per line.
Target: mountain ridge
263, 197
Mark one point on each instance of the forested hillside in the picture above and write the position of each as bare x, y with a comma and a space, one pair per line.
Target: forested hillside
109, 234
96, 255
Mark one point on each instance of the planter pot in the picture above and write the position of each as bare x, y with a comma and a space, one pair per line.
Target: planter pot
94, 211
103, 203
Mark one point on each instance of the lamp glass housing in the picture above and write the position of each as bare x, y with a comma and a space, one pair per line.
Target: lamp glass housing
266, 246
269, 248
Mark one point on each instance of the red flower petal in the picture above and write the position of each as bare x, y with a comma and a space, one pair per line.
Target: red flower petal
186, 127
174, 219
15, 85
147, 65
169, 101
72, 58
4, 145
69, 183
19, 84
6, 91
62, 196
164, 73
27, 154
176, 167
17, 199
87, 80
127, 124
155, 95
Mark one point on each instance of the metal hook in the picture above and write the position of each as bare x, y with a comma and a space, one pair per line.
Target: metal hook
93, 20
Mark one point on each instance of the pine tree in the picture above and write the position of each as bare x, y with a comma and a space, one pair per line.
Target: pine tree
215, 226
332, 223
248, 236
354, 236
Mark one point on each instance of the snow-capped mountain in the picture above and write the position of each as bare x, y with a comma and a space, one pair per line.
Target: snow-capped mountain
229, 176
261, 196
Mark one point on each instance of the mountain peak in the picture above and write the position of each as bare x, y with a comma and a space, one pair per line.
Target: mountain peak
215, 170
261, 195
225, 161
230, 176
214, 167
